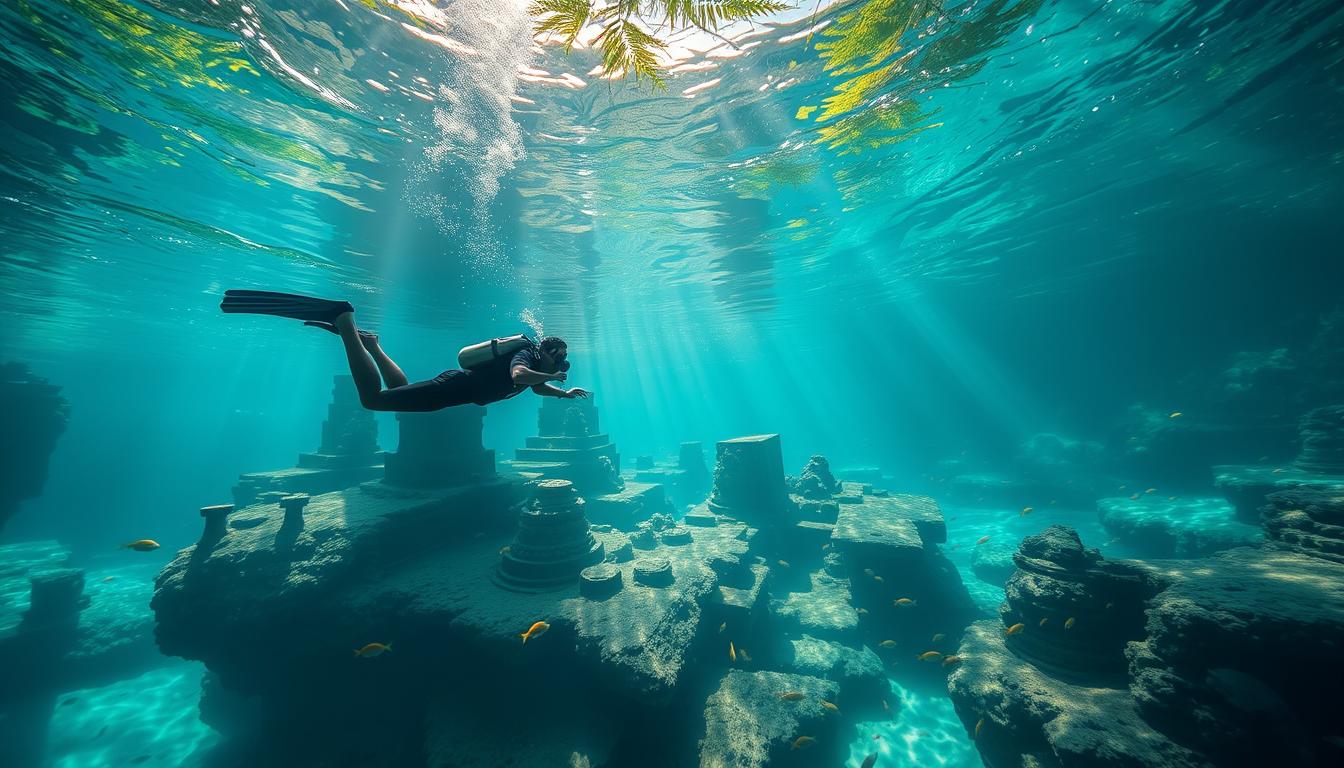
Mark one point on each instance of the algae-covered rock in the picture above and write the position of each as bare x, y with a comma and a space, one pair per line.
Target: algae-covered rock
749, 725
863, 682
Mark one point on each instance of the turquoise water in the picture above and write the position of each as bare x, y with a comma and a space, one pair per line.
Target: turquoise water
905, 245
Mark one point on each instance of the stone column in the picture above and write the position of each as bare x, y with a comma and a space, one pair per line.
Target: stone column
440, 449
749, 481
553, 543
349, 434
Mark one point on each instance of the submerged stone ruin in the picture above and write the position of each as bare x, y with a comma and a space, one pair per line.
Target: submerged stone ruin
60, 631
34, 416
1223, 660
747, 632
348, 454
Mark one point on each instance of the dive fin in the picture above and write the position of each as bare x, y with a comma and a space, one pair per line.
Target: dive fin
283, 305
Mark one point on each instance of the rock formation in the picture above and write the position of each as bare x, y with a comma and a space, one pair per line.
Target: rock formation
34, 415
1176, 527
569, 445
553, 543
440, 449
1319, 464
1163, 663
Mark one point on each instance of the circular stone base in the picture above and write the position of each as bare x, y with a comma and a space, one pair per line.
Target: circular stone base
600, 581
676, 535
653, 572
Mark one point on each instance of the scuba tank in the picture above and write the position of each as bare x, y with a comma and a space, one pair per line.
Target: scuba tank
480, 355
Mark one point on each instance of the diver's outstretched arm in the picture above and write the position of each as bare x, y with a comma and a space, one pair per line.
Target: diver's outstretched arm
546, 390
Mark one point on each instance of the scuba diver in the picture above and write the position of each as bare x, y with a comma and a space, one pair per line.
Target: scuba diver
491, 371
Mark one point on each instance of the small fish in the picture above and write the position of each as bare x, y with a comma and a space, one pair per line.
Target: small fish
142, 545
722, 627
1109, 606
1151, 490
1175, 415
732, 652
109, 578
1121, 488
888, 643
878, 579
803, 742
829, 706
373, 649
791, 696
877, 737
978, 725
536, 630
981, 540
868, 572
1134, 497
1013, 630
902, 601
1069, 623
871, 760
506, 549
1171, 498
1277, 470
69, 701
783, 564
950, 660
745, 656
938, 638
929, 656
886, 707
825, 546
863, 611
1026, 511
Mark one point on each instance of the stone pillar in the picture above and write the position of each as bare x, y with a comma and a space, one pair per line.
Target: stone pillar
553, 543
440, 449
1322, 433
350, 433
216, 522
293, 507
749, 481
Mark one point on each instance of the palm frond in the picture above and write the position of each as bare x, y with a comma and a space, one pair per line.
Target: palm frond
628, 49
563, 17
709, 14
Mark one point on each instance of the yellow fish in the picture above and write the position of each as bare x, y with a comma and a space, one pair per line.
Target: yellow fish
938, 638
1013, 630
878, 579
142, 545
829, 705
1109, 606
1043, 622
1175, 415
929, 656
791, 696
732, 652
981, 540
979, 724
373, 649
863, 611
506, 549
1027, 511
888, 643
803, 742
950, 660
536, 630
902, 601
722, 627
1151, 490
783, 564
1069, 624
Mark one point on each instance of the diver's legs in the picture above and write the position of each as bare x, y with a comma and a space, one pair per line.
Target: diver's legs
363, 367
393, 376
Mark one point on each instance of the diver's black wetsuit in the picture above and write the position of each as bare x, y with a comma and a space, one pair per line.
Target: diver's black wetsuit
488, 384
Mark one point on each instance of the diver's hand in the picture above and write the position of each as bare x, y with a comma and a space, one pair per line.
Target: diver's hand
577, 392
561, 376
